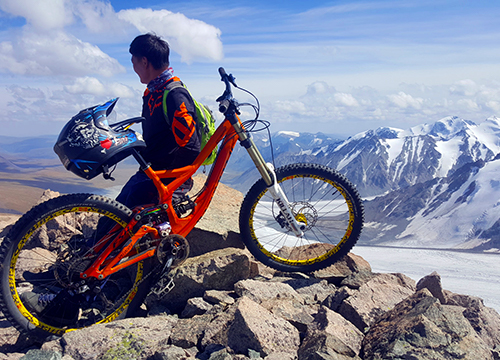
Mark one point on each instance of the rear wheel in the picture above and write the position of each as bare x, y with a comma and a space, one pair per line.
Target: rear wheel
322, 200
42, 258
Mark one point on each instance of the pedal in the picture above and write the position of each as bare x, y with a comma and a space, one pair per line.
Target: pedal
163, 286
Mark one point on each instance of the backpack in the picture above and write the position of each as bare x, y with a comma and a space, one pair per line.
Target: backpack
206, 120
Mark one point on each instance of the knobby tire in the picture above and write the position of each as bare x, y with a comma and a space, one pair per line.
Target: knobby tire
34, 258
323, 201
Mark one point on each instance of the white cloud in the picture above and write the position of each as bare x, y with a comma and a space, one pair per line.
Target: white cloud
55, 53
287, 106
319, 87
468, 104
42, 15
465, 87
493, 105
99, 17
324, 109
345, 99
92, 86
404, 100
191, 38
45, 45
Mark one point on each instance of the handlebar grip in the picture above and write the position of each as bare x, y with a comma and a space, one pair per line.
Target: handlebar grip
222, 72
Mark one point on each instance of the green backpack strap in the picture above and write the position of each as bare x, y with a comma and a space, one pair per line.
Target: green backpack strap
201, 111
170, 86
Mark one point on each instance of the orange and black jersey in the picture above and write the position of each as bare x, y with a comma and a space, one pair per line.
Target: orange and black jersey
172, 139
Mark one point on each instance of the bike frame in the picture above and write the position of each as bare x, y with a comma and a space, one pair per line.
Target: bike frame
228, 132
103, 267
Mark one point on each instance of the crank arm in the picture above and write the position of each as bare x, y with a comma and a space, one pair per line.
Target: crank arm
280, 199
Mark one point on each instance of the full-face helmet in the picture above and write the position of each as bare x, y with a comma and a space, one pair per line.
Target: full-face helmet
88, 146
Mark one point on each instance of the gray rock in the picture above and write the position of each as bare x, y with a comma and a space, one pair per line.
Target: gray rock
432, 283
218, 228
280, 356
6, 223
187, 333
216, 332
319, 345
256, 328
337, 326
222, 354
140, 337
484, 320
171, 352
292, 311
372, 299
195, 306
41, 355
421, 328
218, 297
260, 291
352, 269
312, 290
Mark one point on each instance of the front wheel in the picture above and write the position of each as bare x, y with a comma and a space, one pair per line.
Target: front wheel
41, 260
322, 200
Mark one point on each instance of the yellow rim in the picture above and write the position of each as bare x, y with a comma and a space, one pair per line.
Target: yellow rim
12, 273
302, 218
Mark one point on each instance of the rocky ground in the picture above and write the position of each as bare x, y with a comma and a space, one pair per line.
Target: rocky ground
225, 305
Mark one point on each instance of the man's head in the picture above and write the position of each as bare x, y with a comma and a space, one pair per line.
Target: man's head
150, 56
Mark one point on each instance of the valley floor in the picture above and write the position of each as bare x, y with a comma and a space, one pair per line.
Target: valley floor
476, 274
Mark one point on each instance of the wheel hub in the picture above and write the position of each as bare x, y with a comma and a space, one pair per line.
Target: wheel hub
305, 214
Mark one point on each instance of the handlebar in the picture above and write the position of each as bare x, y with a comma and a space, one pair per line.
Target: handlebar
225, 99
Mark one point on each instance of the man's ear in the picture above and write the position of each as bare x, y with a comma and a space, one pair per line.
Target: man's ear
145, 62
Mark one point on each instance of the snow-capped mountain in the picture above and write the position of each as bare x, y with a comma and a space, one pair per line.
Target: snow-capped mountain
388, 159
460, 211
385, 159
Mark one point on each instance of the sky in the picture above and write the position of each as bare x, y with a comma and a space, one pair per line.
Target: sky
336, 67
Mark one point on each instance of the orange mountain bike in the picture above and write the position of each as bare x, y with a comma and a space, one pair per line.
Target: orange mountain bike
61, 271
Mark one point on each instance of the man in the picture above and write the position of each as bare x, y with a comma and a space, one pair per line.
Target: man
172, 138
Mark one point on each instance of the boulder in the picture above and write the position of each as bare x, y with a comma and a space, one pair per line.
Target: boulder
373, 298
320, 345
260, 291
172, 352
195, 306
484, 320
139, 338
256, 328
187, 333
420, 327
312, 291
432, 283
337, 326
352, 270
6, 223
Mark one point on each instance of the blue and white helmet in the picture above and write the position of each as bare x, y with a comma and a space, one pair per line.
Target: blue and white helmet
88, 146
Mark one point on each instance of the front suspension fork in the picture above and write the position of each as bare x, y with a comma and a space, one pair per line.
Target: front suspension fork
282, 201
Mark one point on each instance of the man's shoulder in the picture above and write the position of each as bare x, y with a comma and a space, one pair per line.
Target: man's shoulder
176, 92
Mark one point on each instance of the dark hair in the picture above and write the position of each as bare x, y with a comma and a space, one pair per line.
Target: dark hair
153, 48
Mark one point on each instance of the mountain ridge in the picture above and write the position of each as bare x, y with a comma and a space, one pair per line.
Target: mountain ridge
410, 179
